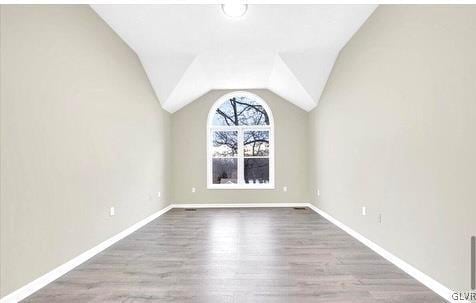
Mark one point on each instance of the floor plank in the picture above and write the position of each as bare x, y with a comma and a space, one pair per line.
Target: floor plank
237, 255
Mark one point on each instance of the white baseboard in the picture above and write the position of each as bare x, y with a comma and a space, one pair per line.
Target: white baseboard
237, 205
426, 280
54, 274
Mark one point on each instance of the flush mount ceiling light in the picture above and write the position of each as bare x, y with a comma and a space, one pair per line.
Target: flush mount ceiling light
234, 9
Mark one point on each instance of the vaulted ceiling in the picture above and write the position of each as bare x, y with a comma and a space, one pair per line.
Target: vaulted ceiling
188, 50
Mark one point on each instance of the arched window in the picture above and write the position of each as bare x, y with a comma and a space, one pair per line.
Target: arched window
240, 143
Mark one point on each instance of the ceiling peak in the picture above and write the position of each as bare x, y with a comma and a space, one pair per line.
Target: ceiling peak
187, 50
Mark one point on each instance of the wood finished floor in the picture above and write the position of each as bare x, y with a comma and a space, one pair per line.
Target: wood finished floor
237, 255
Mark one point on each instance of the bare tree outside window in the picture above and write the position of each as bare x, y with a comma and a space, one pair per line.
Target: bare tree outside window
240, 133
241, 111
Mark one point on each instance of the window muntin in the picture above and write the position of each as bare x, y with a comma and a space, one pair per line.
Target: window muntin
240, 143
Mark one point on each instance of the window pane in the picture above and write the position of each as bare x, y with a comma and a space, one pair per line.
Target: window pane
224, 171
240, 111
225, 143
256, 143
256, 170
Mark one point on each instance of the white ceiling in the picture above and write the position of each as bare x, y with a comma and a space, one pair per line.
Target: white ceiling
188, 50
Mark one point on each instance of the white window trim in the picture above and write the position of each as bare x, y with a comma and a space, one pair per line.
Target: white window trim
210, 128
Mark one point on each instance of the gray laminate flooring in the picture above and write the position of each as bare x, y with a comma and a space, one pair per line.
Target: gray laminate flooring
237, 255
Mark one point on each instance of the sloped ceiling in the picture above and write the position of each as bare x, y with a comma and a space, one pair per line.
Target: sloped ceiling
188, 50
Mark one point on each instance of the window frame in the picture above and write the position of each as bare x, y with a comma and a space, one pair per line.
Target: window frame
240, 155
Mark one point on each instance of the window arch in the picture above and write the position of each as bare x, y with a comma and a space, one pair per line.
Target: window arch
240, 143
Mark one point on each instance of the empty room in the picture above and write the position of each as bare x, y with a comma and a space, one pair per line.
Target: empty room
238, 152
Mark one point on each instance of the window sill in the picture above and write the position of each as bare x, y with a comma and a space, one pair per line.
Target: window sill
240, 186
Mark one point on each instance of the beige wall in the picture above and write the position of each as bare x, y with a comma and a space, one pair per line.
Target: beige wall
190, 157
81, 130
395, 131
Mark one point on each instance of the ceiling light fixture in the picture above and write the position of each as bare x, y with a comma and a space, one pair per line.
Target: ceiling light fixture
234, 9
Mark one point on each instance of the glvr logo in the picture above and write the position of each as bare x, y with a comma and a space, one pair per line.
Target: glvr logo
469, 295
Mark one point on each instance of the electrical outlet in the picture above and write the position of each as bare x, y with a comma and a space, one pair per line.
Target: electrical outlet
285, 188
380, 218
318, 192
193, 189
364, 211
112, 211
158, 194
